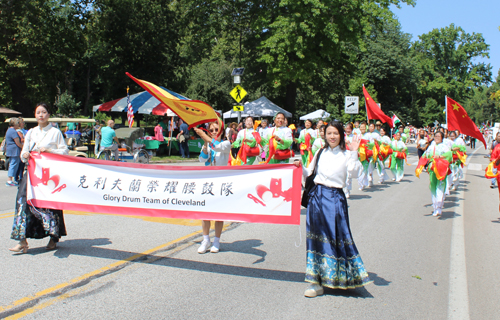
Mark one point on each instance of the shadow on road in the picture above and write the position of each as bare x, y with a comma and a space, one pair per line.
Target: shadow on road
248, 247
359, 196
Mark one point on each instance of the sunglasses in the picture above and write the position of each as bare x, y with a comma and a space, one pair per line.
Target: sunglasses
213, 130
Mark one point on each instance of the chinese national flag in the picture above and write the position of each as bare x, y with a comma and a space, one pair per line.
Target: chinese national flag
459, 120
373, 111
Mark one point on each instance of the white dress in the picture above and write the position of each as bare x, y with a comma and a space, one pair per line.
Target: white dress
48, 137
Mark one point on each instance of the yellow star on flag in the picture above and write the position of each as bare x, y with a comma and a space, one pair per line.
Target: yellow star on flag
456, 107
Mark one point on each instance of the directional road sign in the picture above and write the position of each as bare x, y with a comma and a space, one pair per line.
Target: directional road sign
351, 105
238, 108
238, 93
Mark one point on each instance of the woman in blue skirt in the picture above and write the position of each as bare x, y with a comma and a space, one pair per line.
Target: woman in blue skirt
332, 258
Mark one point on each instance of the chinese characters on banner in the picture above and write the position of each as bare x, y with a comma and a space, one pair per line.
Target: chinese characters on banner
263, 194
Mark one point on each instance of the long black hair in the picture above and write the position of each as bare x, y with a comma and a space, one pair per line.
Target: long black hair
340, 127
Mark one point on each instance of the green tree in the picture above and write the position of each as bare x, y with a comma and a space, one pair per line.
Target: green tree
446, 59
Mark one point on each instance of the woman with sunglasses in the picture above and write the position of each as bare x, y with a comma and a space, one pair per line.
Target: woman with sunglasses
214, 153
279, 139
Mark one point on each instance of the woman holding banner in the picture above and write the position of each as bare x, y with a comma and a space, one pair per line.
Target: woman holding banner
279, 139
31, 222
333, 260
214, 153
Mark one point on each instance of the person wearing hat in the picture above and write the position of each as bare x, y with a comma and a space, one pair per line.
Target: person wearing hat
378, 126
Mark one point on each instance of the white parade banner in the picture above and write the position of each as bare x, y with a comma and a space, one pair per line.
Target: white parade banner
259, 193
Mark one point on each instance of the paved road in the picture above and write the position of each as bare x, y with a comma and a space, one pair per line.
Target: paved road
134, 268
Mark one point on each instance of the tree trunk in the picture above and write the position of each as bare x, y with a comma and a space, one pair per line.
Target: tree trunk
291, 97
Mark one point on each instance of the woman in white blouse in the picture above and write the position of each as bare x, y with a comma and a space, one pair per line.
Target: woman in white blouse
333, 260
216, 153
30, 222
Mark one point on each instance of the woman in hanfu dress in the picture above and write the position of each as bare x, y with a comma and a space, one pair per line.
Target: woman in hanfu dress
31, 222
279, 139
438, 156
247, 137
333, 260
214, 153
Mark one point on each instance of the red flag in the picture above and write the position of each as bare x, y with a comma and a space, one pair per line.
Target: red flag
373, 111
458, 119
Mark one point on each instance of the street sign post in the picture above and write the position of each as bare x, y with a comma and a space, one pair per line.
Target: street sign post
238, 93
351, 105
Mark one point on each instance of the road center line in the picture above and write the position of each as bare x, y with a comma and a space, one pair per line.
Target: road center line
458, 295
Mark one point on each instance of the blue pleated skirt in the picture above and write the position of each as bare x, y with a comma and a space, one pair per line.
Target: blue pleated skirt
333, 260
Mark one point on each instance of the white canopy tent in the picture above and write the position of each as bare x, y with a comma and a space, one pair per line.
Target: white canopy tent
261, 107
318, 114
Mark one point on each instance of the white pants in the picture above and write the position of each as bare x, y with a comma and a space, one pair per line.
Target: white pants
381, 170
438, 199
362, 177
371, 167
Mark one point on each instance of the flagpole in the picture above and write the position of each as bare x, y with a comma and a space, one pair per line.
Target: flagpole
446, 108
367, 120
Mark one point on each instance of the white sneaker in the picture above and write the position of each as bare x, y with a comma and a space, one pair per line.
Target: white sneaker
347, 195
380, 181
393, 179
205, 245
435, 214
314, 290
214, 249
370, 183
360, 188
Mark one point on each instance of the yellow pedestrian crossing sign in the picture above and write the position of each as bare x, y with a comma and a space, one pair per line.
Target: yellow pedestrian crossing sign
238, 108
238, 93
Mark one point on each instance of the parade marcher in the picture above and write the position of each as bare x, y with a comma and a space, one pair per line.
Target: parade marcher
306, 140
31, 222
422, 143
349, 136
364, 157
356, 130
279, 140
13, 148
385, 151
459, 153
404, 136
319, 143
248, 144
373, 138
490, 151
398, 157
438, 157
333, 260
318, 127
215, 153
